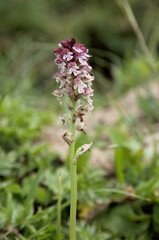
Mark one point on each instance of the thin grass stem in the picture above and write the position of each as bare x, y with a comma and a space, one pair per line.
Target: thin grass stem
119, 165
130, 15
59, 235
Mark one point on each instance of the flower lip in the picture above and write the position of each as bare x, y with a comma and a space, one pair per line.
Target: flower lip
76, 79
58, 60
88, 91
57, 93
73, 68
79, 48
88, 78
64, 75
71, 64
86, 67
67, 55
56, 75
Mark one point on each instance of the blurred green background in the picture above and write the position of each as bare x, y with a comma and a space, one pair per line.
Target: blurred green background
30, 30
116, 201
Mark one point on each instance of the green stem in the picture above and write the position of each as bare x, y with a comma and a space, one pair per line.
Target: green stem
119, 165
59, 236
73, 172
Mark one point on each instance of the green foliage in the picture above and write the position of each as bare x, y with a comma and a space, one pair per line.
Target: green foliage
90, 232
22, 161
29, 180
133, 72
149, 104
29, 187
111, 206
129, 222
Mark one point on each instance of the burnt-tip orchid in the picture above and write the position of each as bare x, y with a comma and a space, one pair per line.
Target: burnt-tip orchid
75, 83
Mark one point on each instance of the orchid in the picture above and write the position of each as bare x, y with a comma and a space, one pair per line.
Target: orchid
75, 82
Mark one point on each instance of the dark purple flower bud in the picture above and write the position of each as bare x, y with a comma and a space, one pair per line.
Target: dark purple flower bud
72, 42
64, 43
58, 51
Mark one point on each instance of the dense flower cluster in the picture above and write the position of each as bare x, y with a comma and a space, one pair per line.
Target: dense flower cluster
74, 77
74, 72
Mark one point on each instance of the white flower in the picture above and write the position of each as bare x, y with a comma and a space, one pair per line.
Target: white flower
77, 49
67, 137
73, 68
68, 56
62, 67
81, 126
78, 104
83, 59
80, 85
